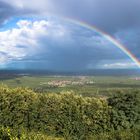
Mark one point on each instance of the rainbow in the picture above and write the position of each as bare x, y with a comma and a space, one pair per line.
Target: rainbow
108, 37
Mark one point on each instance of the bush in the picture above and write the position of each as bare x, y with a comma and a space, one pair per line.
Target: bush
73, 117
7, 133
66, 114
130, 134
125, 110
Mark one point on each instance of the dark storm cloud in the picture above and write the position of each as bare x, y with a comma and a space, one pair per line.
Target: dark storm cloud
131, 39
75, 54
8, 11
109, 15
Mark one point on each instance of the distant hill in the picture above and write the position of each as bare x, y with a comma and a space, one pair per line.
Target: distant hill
98, 72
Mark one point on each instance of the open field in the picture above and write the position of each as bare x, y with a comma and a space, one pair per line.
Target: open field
85, 85
98, 81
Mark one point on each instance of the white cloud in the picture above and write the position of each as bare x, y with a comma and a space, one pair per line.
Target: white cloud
3, 59
24, 40
120, 65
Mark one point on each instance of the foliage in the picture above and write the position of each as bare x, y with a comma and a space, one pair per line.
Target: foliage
129, 134
31, 115
126, 110
7, 133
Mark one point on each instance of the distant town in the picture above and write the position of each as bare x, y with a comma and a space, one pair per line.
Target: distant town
82, 80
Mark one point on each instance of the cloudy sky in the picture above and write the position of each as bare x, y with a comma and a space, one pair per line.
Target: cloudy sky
47, 34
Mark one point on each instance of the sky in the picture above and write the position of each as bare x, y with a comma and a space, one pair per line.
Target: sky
47, 34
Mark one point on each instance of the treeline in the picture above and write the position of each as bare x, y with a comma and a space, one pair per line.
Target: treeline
26, 114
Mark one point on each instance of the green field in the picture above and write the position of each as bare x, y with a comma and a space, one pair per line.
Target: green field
99, 84
100, 81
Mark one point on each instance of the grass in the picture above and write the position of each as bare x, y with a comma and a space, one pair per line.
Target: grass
102, 84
